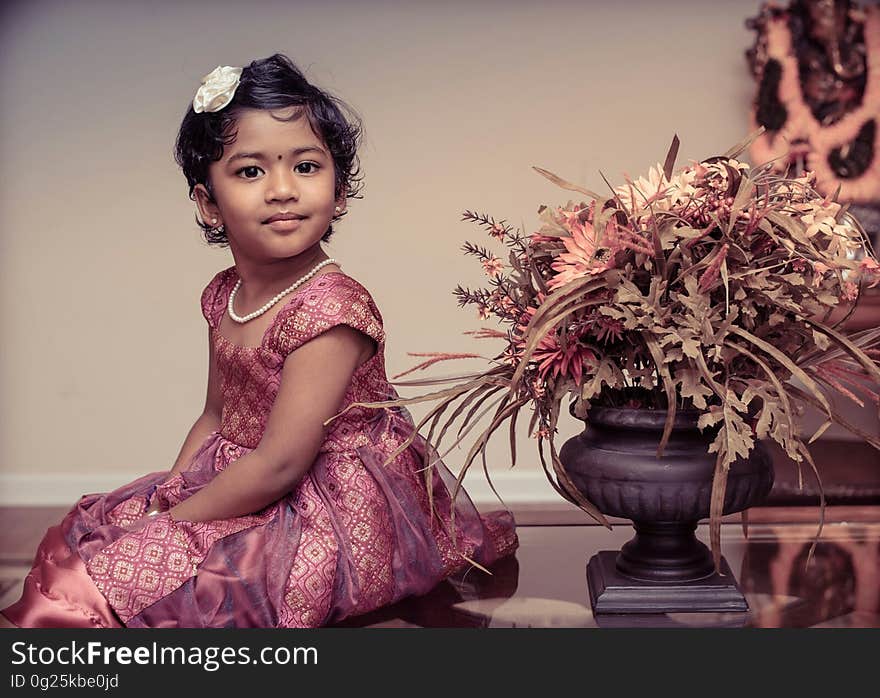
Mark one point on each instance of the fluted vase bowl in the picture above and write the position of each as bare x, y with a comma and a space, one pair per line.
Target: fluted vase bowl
664, 567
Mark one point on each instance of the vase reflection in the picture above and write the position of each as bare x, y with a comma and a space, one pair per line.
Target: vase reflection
841, 580
543, 585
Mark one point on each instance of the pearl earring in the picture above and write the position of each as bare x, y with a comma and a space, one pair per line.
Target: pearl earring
338, 209
213, 221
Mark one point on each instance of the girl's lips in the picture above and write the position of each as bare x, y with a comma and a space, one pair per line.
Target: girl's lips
283, 217
284, 225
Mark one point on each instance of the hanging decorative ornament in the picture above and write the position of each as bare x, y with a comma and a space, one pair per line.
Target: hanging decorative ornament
817, 64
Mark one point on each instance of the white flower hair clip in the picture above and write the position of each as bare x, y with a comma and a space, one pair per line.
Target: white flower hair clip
217, 90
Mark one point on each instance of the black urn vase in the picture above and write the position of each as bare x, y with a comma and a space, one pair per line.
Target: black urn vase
664, 567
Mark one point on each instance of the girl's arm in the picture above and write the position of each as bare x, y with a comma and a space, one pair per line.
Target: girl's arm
313, 383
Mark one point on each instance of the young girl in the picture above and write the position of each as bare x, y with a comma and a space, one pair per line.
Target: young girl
269, 518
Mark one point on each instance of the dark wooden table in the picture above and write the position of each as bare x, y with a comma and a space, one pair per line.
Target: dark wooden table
544, 583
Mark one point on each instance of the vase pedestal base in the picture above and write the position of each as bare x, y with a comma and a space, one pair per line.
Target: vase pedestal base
612, 592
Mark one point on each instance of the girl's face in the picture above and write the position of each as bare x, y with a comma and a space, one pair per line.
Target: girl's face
273, 188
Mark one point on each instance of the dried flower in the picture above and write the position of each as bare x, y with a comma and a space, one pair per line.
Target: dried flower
719, 272
584, 255
493, 266
497, 231
819, 271
869, 269
710, 276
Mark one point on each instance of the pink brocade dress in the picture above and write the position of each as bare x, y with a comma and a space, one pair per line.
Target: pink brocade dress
354, 535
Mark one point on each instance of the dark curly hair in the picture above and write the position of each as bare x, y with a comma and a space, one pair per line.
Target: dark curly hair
272, 83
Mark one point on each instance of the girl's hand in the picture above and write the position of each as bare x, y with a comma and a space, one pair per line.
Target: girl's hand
154, 508
308, 396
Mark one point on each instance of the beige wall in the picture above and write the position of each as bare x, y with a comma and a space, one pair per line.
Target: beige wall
104, 354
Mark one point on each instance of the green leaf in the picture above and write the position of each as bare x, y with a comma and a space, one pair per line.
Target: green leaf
692, 387
716, 510
668, 386
821, 430
741, 200
822, 342
787, 362
848, 346
741, 147
606, 372
734, 439
710, 418
558, 181
672, 153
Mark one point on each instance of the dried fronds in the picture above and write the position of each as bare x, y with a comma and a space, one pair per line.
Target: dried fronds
705, 288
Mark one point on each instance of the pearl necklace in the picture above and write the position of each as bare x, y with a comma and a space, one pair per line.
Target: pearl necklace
296, 284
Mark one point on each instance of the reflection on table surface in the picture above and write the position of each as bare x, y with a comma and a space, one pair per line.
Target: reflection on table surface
544, 583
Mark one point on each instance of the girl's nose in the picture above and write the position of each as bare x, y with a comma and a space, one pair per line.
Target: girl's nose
281, 185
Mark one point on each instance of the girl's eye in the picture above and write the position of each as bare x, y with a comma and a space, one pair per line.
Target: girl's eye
249, 172
307, 167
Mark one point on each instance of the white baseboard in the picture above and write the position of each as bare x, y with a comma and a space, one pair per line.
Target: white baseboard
63, 489
514, 486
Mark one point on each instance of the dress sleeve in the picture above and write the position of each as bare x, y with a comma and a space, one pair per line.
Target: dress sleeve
330, 300
214, 297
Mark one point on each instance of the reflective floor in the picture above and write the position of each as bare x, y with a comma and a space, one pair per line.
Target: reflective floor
545, 585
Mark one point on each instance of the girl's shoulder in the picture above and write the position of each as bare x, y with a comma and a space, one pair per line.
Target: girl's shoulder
216, 294
331, 289
329, 299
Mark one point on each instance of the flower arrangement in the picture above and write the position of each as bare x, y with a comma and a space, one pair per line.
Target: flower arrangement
705, 289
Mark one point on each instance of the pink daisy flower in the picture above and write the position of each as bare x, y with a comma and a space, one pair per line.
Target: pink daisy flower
493, 266
581, 258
